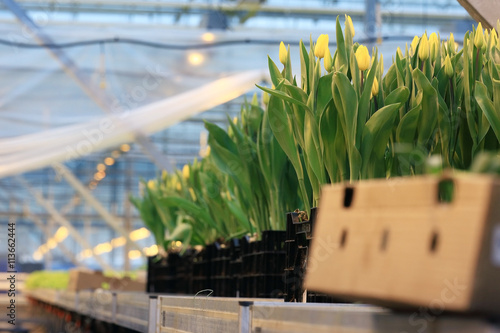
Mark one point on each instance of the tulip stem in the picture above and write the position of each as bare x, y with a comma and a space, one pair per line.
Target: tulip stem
477, 64
454, 125
362, 81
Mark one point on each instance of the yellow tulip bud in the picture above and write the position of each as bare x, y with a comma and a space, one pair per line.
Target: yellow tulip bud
398, 51
423, 48
152, 185
207, 152
328, 60
235, 120
178, 186
363, 58
193, 195
494, 36
434, 44
451, 43
321, 46
414, 44
348, 24
265, 98
448, 68
185, 171
283, 53
479, 36
375, 87
164, 175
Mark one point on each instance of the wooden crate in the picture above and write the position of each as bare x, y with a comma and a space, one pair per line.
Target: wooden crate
395, 243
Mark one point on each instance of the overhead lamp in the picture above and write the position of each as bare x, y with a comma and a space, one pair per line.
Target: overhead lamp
139, 234
195, 58
61, 234
208, 37
134, 254
124, 147
103, 248
51, 244
119, 241
37, 255
99, 175
109, 161
101, 167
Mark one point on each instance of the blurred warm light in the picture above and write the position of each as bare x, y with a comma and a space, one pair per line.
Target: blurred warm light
109, 161
86, 253
151, 251
178, 243
208, 37
115, 154
92, 185
99, 175
51, 243
134, 254
61, 234
125, 148
44, 249
117, 242
37, 255
196, 58
103, 248
101, 167
139, 234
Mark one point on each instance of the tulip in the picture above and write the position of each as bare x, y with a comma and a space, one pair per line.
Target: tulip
164, 175
348, 24
399, 52
451, 43
193, 195
423, 48
448, 68
207, 151
375, 87
265, 98
328, 60
414, 44
363, 58
283, 53
479, 36
235, 120
321, 46
434, 43
185, 171
151, 185
494, 36
178, 187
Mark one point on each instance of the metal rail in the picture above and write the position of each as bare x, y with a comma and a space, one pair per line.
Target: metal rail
153, 313
163, 7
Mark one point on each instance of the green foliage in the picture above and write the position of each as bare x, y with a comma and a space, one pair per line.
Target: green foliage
47, 280
349, 123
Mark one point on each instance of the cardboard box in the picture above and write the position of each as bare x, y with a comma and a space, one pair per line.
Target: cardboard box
82, 279
395, 243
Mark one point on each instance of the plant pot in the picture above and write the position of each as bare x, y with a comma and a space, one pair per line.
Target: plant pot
263, 264
297, 244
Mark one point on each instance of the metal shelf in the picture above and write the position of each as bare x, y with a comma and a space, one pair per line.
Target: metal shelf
153, 313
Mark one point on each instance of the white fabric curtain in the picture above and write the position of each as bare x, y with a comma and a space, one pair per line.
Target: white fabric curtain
33, 151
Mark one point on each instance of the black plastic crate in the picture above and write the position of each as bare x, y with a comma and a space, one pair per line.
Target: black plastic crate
263, 264
298, 237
